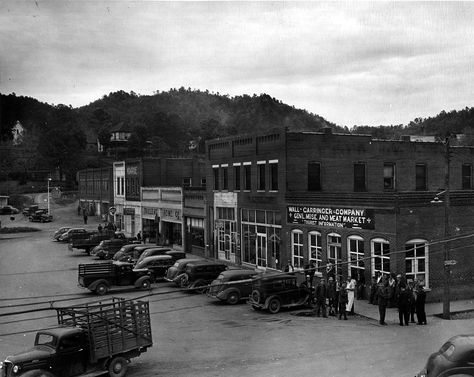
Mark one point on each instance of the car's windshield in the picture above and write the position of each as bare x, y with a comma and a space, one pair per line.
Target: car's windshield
46, 340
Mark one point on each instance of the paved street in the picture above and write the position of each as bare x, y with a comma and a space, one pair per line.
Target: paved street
196, 336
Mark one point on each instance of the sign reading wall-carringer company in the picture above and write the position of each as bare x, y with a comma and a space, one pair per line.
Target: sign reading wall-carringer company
335, 217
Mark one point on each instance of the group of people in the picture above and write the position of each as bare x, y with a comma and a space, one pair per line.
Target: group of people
110, 227
396, 291
335, 297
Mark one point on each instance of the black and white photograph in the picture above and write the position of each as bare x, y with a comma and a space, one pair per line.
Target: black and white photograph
236, 188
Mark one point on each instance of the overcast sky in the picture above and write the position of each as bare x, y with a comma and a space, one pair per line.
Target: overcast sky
364, 63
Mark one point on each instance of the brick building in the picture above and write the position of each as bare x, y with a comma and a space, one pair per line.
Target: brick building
95, 190
353, 204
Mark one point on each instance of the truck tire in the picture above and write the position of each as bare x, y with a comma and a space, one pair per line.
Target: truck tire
118, 367
101, 289
145, 284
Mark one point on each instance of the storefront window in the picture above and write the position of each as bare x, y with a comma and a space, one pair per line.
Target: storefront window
355, 249
334, 267
261, 238
315, 251
380, 253
195, 228
226, 233
297, 249
416, 261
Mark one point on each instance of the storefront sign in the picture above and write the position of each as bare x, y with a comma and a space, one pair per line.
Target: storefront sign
129, 211
150, 211
334, 217
171, 214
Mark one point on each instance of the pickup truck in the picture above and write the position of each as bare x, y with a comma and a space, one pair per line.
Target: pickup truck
94, 239
91, 340
100, 277
106, 249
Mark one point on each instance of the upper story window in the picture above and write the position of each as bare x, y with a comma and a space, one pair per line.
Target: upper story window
261, 175
359, 177
314, 176
187, 181
203, 182
466, 176
237, 177
420, 177
416, 261
389, 176
225, 177
247, 176
273, 175
215, 169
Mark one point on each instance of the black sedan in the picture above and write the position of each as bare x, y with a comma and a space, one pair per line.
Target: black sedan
9, 210
455, 357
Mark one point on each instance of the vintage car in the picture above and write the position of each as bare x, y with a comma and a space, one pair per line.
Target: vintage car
125, 253
156, 250
28, 211
67, 236
41, 216
106, 249
177, 270
454, 358
273, 291
232, 286
8, 210
198, 275
59, 232
138, 251
157, 264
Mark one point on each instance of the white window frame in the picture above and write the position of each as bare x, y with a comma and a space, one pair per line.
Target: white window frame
359, 256
414, 260
334, 250
383, 256
315, 247
297, 259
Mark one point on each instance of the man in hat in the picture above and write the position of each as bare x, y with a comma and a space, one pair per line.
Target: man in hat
321, 295
332, 296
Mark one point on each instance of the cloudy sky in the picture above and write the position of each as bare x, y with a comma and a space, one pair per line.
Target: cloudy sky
364, 63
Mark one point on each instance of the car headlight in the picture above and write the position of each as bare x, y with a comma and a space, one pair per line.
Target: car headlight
16, 369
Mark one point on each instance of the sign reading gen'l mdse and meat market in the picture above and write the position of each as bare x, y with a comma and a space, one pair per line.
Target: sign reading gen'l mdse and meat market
334, 217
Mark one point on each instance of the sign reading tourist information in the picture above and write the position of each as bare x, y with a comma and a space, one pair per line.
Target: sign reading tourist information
334, 217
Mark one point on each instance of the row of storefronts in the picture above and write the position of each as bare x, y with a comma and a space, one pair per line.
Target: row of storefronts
351, 204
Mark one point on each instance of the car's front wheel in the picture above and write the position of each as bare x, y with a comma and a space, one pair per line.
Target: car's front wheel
184, 281
101, 289
274, 305
233, 298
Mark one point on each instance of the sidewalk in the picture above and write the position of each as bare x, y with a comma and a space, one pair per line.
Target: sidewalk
363, 308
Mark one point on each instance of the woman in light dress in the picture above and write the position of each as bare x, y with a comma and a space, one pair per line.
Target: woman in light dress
351, 285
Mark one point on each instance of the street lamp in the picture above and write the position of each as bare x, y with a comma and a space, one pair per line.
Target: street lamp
49, 180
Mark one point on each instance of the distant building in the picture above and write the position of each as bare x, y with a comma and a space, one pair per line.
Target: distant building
17, 133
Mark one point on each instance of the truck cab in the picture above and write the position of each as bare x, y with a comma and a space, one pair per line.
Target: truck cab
61, 351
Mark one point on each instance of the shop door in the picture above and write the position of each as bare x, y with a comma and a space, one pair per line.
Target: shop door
261, 249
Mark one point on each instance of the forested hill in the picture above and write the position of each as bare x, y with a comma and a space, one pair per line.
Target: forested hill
441, 125
177, 116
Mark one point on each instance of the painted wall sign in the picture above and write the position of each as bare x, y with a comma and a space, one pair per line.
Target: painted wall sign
170, 214
334, 217
129, 211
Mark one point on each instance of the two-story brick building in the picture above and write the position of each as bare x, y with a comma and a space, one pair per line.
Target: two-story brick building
350, 203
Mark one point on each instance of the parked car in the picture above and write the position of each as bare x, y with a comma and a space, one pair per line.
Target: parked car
125, 253
101, 277
233, 285
455, 357
41, 216
198, 275
30, 210
9, 210
66, 236
274, 291
157, 250
177, 270
59, 232
176, 254
157, 264
106, 249
138, 251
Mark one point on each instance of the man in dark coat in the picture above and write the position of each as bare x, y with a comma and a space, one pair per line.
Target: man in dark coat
332, 296
382, 299
403, 303
420, 304
342, 300
321, 295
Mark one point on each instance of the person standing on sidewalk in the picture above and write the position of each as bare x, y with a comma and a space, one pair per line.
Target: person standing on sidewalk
351, 287
382, 299
403, 303
420, 304
321, 295
332, 296
412, 304
343, 301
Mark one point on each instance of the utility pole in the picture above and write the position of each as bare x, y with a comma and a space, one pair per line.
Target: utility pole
447, 267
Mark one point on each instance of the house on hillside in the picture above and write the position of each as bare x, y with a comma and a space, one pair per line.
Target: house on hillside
17, 132
119, 135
